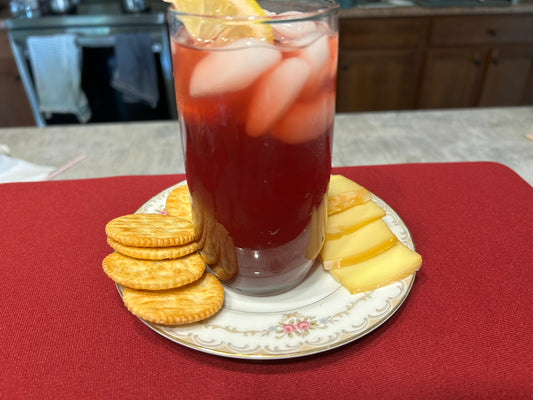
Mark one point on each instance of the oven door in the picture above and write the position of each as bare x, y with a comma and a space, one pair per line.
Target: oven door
98, 65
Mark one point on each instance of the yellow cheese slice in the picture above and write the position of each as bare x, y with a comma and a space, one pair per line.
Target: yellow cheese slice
344, 193
339, 184
390, 266
352, 219
364, 243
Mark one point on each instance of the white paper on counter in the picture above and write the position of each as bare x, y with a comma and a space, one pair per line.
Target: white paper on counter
16, 170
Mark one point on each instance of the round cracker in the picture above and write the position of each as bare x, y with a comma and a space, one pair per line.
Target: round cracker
199, 225
226, 267
150, 230
153, 274
210, 240
178, 203
153, 253
191, 303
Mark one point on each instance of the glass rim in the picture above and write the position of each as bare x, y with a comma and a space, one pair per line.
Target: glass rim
329, 7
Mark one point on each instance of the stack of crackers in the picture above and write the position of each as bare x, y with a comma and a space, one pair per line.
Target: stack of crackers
156, 261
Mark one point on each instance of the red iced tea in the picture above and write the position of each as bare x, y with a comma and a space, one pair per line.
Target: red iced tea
257, 121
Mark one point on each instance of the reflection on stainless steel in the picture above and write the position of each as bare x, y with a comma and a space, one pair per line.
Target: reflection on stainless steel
25, 8
134, 6
61, 6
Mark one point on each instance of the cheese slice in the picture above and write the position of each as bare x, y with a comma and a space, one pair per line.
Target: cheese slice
390, 266
339, 184
344, 193
364, 243
352, 219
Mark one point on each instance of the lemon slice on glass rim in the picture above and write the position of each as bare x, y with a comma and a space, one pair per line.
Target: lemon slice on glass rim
223, 20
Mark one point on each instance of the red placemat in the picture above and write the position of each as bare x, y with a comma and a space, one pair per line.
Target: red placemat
463, 332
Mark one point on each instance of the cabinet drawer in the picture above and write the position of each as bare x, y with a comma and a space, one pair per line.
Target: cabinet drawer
482, 29
382, 33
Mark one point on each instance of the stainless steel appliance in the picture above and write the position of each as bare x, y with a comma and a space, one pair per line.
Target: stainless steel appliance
25, 8
62, 6
134, 6
96, 27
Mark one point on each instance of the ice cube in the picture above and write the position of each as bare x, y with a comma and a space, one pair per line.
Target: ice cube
275, 93
233, 68
293, 30
306, 121
317, 55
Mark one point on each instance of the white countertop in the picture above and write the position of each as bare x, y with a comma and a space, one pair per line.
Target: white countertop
493, 134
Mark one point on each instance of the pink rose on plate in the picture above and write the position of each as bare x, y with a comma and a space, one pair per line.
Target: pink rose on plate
288, 328
303, 325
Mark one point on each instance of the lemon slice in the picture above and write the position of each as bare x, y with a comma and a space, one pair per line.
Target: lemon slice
229, 20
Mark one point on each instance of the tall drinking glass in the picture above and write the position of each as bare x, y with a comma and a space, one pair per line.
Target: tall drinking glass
256, 103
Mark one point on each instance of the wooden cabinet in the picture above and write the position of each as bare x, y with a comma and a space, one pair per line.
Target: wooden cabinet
374, 80
478, 61
452, 77
435, 62
379, 62
14, 106
509, 77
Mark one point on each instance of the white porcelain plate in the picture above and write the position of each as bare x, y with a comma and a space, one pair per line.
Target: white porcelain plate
316, 316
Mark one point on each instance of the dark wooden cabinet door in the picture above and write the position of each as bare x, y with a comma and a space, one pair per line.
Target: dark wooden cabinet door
509, 77
382, 33
15, 109
375, 80
14, 106
481, 30
452, 77
379, 63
